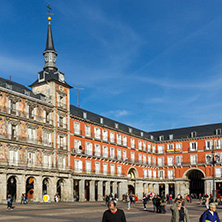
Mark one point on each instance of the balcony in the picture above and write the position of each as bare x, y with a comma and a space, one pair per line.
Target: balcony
62, 125
23, 114
62, 105
78, 133
29, 164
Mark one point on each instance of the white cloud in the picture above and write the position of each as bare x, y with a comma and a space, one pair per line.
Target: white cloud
116, 113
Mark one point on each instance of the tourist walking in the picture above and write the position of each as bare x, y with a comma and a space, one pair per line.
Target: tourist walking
207, 200
155, 204
113, 214
210, 215
128, 201
9, 202
163, 205
144, 202
179, 213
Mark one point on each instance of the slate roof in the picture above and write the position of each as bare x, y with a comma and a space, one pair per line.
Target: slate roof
14, 86
76, 111
49, 41
51, 75
180, 133
201, 130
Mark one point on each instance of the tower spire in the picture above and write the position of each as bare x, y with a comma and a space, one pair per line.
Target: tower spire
50, 53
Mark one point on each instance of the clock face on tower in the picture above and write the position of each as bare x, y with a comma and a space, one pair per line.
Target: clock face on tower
61, 77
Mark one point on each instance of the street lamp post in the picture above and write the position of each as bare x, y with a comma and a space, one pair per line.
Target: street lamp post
213, 162
214, 190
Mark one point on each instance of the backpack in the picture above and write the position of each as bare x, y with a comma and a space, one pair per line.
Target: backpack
201, 217
207, 213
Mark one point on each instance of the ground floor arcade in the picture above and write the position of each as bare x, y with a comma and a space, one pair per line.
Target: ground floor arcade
90, 188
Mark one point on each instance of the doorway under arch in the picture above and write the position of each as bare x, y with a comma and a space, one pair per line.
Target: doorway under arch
45, 184
59, 184
131, 189
196, 181
30, 188
11, 187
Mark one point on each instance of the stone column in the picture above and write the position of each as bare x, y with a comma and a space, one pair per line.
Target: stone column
37, 197
150, 187
3, 185
177, 188
107, 187
92, 190
51, 188
166, 189
139, 190
114, 188
82, 190
208, 187
145, 188
21, 187
100, 191
123, 189
66, 190
156, 188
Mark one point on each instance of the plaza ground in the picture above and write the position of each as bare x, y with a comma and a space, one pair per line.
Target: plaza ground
89, 211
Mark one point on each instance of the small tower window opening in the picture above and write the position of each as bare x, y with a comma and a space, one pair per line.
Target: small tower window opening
47, 117
13, 107
61, 121
31, 112
13, 132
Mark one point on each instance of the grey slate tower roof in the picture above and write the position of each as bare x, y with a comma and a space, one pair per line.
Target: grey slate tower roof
50, 71
49, 41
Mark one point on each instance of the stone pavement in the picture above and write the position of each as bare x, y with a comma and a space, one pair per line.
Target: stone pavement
89, 211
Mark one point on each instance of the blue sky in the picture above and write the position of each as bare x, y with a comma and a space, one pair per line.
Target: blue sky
151, 64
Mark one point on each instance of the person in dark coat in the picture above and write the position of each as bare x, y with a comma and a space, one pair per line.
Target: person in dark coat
113, 214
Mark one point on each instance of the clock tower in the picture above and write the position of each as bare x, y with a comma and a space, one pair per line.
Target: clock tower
55, 91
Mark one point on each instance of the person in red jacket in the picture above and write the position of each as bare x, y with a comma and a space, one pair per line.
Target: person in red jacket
113, 214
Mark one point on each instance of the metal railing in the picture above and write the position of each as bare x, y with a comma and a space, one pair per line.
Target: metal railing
23, 114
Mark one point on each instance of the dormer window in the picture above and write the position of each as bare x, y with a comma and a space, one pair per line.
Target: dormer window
218, 131
84, 115
141, 133
161, 138
130, 130
151, 137
8, 86
171, 137
116, 125
101, 120
193, 134
26, 92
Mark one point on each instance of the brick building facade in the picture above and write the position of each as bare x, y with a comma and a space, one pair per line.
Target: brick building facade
49, 146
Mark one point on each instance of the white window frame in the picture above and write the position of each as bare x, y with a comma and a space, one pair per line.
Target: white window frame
193, 146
